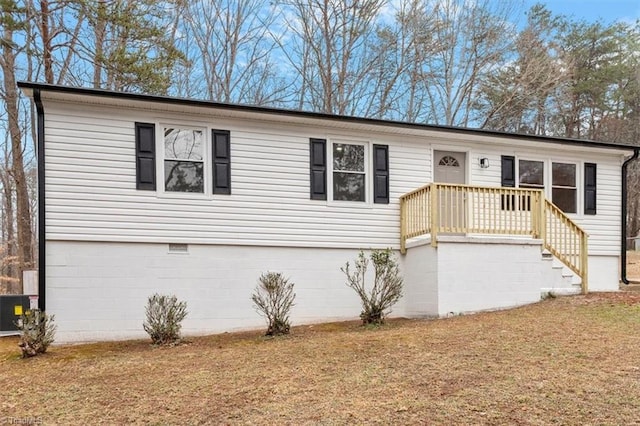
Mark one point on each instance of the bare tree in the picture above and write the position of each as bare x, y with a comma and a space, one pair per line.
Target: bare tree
476, 37
8, 274
45, 49
330, 45
415, 26
10, 20
52, 31
231, 48
41, 40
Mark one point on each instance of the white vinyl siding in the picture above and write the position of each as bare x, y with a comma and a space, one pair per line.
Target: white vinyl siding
603, 227
91, 195
91, 180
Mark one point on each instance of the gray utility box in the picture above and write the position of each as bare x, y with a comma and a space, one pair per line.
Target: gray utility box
12, 306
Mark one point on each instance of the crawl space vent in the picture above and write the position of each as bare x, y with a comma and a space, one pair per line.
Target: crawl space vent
178, 248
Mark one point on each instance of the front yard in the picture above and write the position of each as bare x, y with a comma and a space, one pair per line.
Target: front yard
565, 361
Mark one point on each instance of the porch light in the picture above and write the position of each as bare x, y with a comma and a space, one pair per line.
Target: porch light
484, 163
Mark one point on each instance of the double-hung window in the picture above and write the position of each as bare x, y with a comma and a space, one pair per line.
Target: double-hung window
531, 174
183, 160
349, 172
563, 186
345, 170
189, 160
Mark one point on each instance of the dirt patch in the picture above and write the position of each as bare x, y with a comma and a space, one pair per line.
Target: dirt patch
562, 361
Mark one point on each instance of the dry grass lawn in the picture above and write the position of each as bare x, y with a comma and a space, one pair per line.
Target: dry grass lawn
562, 361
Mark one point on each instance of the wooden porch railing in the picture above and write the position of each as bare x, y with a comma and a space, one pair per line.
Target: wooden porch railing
463, 209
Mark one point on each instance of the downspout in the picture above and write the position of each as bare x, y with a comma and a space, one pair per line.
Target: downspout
623, 252
42, 260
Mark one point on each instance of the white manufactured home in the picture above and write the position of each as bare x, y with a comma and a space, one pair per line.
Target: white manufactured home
142, 194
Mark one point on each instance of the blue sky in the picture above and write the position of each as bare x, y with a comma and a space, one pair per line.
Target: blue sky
592, 10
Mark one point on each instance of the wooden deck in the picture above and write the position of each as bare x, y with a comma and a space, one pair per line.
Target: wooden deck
441, 208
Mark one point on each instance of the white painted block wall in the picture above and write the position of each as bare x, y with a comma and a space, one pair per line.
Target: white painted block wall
98, 291
481, 274
420, 268
604, 273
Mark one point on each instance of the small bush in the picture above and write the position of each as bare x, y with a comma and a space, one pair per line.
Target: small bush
386, 289
37, 332
164, 318
273, 300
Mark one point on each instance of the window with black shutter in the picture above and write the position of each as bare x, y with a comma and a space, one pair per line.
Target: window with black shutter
590, 172
508, 171
145, 135
221, 161
381, 174
318, 169
349, 171
508, 176
352, 168
183, 158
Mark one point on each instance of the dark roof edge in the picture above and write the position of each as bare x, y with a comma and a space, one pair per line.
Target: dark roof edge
318, 115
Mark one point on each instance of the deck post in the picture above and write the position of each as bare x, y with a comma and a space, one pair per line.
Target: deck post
535, 216
584, 262
403, 225
434, 214
543, 220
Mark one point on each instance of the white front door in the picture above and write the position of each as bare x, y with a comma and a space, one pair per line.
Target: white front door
449, 167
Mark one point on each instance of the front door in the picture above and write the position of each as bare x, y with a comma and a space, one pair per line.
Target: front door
449, 167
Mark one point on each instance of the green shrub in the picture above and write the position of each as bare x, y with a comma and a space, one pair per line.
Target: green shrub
386, 289
37, 332
273, 299
164, 318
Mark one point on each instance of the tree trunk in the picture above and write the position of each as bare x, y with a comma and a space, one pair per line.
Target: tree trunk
23, 215
46, 41
8, 234
100, 29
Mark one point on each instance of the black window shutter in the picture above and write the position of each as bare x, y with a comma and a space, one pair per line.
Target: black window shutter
381, 174
508, 171
221, 161
318, 168
146, 156
589, 188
